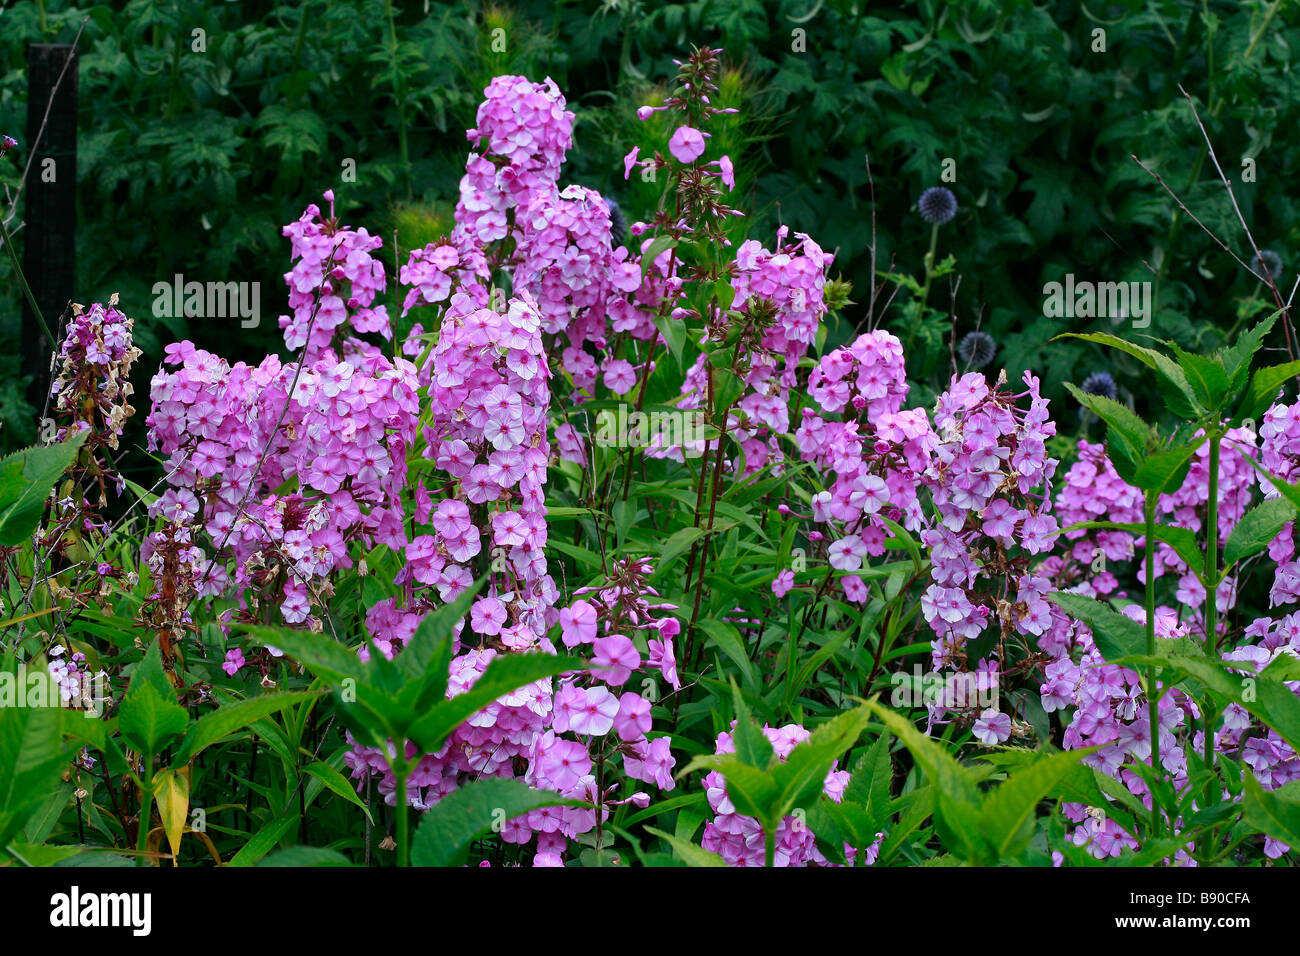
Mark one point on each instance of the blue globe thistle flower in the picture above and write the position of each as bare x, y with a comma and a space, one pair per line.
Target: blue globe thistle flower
1269, 263
937, 205
617, 223
977, 349
1100, 383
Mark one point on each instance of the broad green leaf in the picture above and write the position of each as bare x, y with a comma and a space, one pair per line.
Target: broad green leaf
1164, 471
451, 825
337, 783
658, 246
1007, 817
1287, 490
1256, 529
1114, 634
1275, 812
870, 783
727, 639
219, 724
1265, 385
751, 744
505, 674
1182, 540
323, 655
945, 773
148, 721
427, 655
1237, 358
677, 543
1128, 436
297, 856
26, 478
31, 758
689, 853
1269, 700
803, 775
1206, 376
264, 841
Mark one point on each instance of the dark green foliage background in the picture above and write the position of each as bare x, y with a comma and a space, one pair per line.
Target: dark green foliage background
192, 162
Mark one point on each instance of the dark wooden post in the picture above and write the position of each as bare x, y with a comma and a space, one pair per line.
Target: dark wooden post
50, 204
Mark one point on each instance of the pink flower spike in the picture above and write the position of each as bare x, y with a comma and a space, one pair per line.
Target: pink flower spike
687, 144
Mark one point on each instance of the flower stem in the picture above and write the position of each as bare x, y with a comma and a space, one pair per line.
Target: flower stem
1153, 699
401, 770
925, 289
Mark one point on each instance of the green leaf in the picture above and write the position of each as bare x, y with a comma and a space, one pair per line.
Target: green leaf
322, 655
1163, 471
674, 333
150, 671
451, 825
1265, 385
504, 674
658, 246
1237, 358
337, 783
728, 640
1256, 529
869, 785
31, 759
1128, 436
264, 841
751, 745
219, 724
678, 542
1269, 700
1007, 817
803, 775
1182, 540
689, 853
1288, 491
1173, 384
1206, 376
26, 478
1275, 812
945, 773
1114, 634
148, 721
296, 856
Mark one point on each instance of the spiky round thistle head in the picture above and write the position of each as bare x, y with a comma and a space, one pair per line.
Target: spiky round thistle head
937, 205
977, 349
1100, 383
617, 224
1268, 264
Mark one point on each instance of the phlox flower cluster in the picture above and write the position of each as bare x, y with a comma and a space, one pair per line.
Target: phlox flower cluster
333, 282
876, 456
738, 839
781, 298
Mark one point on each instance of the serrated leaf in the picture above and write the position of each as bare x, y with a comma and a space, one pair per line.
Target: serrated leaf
451, 825
689, 853
1114, 634
1257, 528
504, 675
26, 478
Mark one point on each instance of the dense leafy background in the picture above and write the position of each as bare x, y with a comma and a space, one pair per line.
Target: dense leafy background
190, 161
